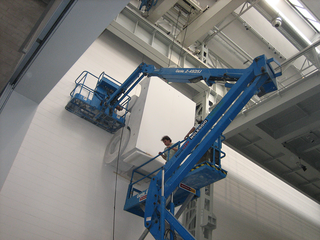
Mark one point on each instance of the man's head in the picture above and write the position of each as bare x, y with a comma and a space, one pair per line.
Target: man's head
166, 140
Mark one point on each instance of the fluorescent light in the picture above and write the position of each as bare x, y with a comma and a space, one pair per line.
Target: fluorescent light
296, 2
288, 21
273, 2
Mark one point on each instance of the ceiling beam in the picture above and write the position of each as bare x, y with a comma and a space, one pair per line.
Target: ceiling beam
160, 9
309, 146
210, 18
274, 104
298, 127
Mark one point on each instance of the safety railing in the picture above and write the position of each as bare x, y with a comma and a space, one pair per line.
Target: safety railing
87, 93
81, 88
131, 189
104, 75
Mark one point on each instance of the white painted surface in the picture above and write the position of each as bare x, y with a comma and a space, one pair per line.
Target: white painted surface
73, 35
160, 110
166, 112
59, 188
253, 204
14, 123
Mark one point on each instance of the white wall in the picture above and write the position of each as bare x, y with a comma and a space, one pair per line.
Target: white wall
73, 34
59, 188
253, 204
14, 123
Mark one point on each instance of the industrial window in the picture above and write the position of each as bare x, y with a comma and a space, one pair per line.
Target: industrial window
304, 13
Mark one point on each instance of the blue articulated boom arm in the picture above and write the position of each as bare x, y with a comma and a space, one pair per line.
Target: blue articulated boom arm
193, 75
102, 105
129, 84
183, 75
259, 79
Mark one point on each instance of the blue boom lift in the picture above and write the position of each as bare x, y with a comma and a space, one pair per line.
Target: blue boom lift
181, 178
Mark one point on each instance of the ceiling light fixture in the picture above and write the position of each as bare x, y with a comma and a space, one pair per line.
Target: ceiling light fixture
300, 165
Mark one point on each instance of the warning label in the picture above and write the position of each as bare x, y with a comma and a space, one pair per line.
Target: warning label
187, 188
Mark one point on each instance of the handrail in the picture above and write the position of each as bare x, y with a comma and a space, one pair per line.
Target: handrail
148, 175
145, 176
131, 190
90, 90
177, 143
81, 79
104, 74
86, 73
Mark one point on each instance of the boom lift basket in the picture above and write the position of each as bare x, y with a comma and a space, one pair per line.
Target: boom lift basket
203, 174
90, 104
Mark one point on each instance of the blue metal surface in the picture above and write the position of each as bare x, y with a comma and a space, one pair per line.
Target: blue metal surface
91, 104
259, 79
192, 75
200, 176
99, 107
148, 4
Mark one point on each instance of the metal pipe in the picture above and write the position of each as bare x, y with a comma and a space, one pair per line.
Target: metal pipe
162, 184
299, 54
162, 209
177, 215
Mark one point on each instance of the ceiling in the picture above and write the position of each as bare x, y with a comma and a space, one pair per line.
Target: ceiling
281, 131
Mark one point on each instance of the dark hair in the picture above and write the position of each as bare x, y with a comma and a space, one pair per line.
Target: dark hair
166, 138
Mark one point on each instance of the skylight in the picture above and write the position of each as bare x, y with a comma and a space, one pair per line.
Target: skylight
305, 14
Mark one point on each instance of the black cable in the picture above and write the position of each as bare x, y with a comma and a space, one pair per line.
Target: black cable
173, 37
115, 187
168, 230
184, 37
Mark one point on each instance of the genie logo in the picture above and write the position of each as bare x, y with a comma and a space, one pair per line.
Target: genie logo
188, 71
198, 129
193, 71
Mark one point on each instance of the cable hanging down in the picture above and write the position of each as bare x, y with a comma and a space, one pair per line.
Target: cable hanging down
115, 187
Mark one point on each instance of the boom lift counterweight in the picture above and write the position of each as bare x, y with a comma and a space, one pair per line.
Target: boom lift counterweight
153, 203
